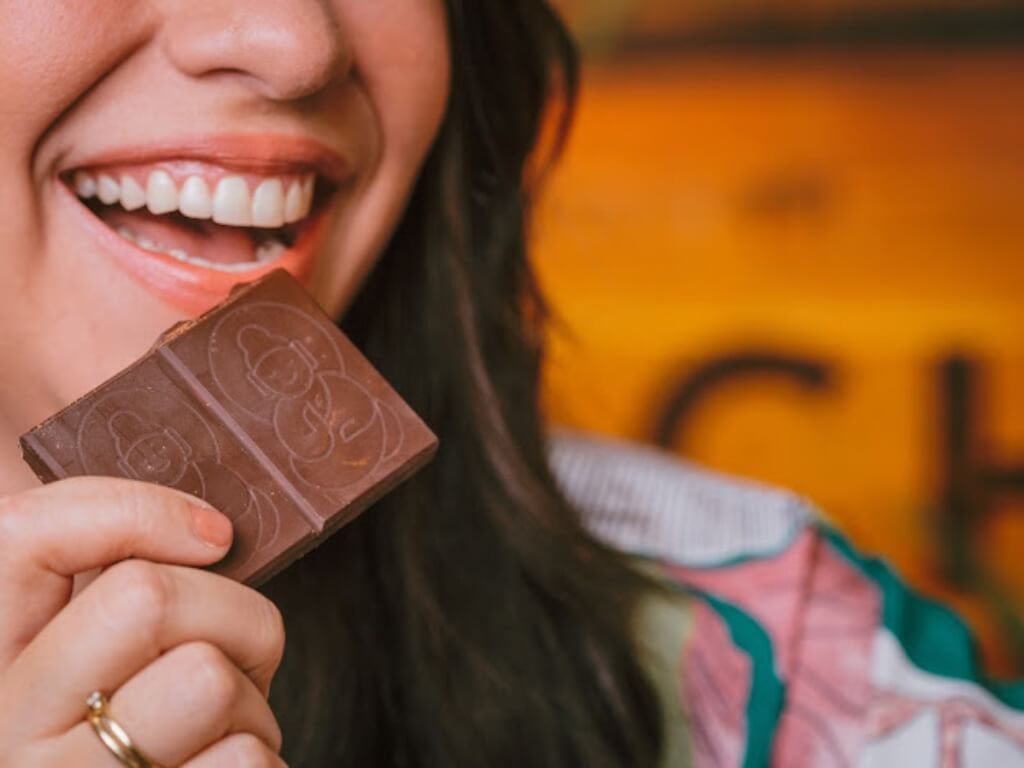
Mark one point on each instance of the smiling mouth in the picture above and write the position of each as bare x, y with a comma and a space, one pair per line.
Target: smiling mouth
203, 214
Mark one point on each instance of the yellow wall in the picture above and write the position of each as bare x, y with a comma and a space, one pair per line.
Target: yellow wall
864, 210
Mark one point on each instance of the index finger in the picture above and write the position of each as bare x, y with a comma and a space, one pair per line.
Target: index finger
49, 534
81, 523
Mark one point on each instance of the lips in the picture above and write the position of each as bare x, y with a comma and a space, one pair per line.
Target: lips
190, 222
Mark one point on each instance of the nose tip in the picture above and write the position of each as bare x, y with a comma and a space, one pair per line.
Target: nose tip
287, 49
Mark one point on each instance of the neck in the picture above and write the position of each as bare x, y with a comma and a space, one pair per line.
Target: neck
24, 401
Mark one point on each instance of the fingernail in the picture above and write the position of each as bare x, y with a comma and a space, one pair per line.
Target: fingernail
211, 526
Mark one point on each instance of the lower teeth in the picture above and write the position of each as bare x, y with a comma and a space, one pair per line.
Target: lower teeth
265, 252
269, 250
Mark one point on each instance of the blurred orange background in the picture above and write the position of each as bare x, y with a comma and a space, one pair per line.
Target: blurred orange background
787, 241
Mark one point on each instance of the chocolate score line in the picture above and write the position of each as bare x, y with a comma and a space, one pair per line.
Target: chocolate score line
208, 401
272, 353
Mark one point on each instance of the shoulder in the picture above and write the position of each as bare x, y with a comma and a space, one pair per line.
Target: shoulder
778, 598
695, 529
653, 504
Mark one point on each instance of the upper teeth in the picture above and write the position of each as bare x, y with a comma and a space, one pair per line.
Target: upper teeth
273, 203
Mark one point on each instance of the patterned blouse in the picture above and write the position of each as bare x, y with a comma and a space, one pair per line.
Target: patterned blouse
785, 646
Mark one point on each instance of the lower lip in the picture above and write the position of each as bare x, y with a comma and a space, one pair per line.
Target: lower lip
192, 288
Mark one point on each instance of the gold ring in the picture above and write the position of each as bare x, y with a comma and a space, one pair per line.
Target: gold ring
113, 736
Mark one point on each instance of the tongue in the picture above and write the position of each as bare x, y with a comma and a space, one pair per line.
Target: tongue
203, 239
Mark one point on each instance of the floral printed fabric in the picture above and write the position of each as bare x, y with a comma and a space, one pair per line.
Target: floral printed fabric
871, 675
800, 652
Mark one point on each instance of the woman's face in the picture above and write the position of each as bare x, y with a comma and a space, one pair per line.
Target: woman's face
131, 127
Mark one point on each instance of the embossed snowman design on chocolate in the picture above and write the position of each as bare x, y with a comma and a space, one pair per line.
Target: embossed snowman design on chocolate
156, 453
151, 453
333, 429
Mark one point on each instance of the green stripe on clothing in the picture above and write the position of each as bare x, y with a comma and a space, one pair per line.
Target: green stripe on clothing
933, 636
764, 706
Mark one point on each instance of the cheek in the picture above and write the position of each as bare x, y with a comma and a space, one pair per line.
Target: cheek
402, 64
418, 97
51, 51
402, 54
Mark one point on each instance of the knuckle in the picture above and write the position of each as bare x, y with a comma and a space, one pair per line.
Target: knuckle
138, 506
138, 592
10, 522
248, 751
215, 679
17, 523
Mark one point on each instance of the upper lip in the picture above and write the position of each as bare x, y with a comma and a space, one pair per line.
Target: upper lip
255, 153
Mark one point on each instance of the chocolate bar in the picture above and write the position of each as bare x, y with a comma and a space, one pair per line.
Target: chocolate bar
262, 407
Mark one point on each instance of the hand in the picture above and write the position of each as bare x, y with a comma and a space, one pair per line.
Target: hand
185, 656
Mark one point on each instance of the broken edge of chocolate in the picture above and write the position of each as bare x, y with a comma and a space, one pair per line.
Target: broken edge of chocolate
263, 408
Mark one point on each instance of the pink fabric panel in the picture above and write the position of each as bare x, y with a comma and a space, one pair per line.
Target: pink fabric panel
821, 616
829, 688
771, 590
716, 680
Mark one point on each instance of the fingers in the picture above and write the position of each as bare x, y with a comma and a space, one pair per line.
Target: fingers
123, 621
187, 700
82, 523
239, 751
51, 533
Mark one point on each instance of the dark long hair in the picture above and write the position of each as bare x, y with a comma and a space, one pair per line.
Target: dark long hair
468, 619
